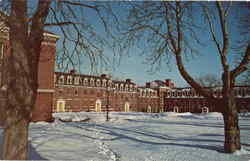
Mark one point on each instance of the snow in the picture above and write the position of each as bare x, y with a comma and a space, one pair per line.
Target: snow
135, 137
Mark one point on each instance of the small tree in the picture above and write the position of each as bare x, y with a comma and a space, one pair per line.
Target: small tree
170, 29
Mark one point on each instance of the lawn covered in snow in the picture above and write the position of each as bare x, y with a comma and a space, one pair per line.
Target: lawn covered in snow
135, 137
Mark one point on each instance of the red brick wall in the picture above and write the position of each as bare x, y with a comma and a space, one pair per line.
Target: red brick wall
46, 66
86, 98
43, 107
44, 101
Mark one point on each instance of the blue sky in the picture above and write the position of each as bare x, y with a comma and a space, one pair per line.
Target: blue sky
133, 66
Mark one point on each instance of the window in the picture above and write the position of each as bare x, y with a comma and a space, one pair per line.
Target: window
61, 79
116, 86
85, 82
131, 87
104, 82
98, 83
76, 92
92, 83
76, 80
126, 87
121, 87
110, 83
69, 80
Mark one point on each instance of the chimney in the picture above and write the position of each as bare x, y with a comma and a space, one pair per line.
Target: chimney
128, 80
168, 82
103, 76
72, 71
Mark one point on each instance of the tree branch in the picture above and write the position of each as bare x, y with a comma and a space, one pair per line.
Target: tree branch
225, 48
243, 64
78, 4
211, 27
60, 23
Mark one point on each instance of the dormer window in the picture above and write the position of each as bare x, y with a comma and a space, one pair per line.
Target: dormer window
121, 87
117, 86
110, 83
104, 82
77, 80
126, 87
69, 80
85, 83
92, 82
131, 87
98, 83
61, 79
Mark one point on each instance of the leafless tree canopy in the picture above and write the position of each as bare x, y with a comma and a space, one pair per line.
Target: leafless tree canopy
26, 22
85, 28
171, 29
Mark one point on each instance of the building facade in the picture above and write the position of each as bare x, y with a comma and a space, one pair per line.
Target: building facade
72, 92
188, 100
45, 92
77, 92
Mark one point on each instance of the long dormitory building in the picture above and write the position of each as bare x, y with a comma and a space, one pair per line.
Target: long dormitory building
70, 91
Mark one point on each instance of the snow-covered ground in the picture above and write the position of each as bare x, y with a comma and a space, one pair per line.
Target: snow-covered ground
135, 137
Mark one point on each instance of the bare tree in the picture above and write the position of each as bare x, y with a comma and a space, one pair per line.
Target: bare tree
171, 29
26, 22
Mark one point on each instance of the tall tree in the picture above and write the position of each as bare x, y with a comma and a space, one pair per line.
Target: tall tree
171, 29
26, 22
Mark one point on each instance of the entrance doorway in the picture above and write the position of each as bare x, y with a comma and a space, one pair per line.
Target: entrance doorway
60, 106
98, 106
126, 107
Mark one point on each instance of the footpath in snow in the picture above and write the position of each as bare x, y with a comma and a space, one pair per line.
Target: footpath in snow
135, 137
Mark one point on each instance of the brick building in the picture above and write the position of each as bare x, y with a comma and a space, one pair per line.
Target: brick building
77, 92
44, 102
188, 100
65, 92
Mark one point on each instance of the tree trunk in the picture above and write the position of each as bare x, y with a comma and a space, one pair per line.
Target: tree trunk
15, 137
231, 127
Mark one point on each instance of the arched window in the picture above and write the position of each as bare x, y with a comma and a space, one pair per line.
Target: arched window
61, 79
126, 107
130, 87
110, 83
98, 105
98, 83
77, 80
104, 82
116, 86
69, 79
176, 109
121, 87
149, 109
126, 87
85, 83
92, 82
